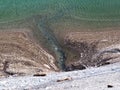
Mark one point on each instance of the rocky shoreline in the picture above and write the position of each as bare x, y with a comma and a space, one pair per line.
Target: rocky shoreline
89, 79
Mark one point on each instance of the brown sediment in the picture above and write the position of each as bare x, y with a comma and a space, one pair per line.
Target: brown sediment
22, 54
107, 40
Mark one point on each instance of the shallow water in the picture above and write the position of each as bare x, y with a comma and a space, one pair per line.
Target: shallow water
54, 14
84, 10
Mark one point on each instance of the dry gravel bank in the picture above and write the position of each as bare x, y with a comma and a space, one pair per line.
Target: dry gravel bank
89, 79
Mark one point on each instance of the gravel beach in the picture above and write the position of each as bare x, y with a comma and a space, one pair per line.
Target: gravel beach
101, 78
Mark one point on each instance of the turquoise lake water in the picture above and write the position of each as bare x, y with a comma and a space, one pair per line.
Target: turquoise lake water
83, 10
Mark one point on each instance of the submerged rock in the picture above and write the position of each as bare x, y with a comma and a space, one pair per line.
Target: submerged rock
21, 54
93, 49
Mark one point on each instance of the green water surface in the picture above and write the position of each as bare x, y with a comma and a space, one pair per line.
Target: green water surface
85, 10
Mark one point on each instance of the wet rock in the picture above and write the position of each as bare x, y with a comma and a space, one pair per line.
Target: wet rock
40, 74
110, 86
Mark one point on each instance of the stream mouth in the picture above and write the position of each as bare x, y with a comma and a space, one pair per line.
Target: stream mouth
88, 50
53, 43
